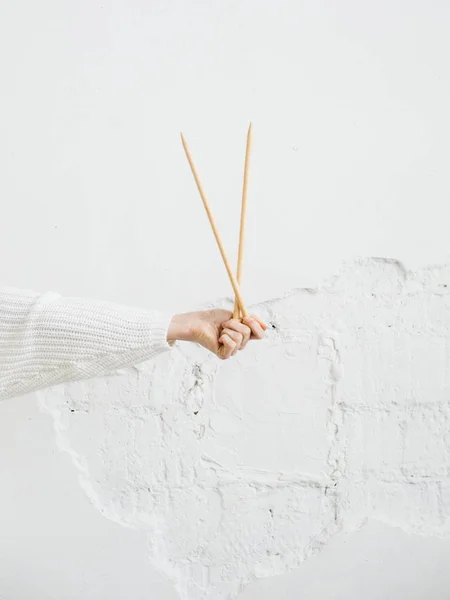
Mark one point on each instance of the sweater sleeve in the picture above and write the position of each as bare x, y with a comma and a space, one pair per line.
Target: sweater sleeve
46, 339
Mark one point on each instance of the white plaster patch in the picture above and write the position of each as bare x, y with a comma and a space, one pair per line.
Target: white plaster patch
245, 468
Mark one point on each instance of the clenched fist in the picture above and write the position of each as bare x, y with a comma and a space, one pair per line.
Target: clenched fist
216, 331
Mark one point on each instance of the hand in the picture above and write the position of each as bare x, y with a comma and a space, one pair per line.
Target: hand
216, 331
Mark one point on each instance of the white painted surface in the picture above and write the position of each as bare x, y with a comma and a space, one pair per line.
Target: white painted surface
350, 107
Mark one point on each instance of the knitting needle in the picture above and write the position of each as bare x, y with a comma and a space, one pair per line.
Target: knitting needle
231, 275
243, 216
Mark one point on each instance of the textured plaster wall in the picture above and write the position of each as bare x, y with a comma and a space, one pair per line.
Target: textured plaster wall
315, 465
245, 469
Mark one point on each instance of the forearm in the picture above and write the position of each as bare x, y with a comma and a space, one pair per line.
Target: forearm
47, 339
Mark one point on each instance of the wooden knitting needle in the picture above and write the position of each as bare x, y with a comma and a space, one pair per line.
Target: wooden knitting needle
227, 264
243, 216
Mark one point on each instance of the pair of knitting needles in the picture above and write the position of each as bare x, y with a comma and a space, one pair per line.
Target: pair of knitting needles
239, 307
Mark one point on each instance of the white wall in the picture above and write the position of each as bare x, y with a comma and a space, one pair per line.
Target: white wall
348, 397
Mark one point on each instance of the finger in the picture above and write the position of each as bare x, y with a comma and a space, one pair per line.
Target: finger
261, 323
236, 337
227, 348
257, 330
258, 320
244, 330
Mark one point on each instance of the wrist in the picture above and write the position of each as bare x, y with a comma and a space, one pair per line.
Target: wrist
179, 329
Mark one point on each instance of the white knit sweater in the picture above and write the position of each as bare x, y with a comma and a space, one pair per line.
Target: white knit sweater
47, 339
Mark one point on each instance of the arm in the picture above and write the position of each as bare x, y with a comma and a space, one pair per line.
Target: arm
47, 339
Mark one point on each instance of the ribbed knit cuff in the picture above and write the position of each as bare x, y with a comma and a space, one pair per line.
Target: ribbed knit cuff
160, 332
